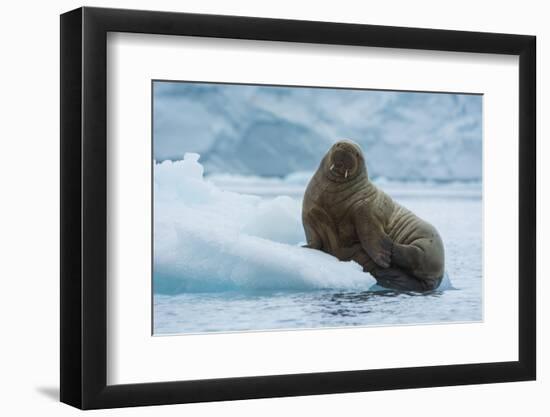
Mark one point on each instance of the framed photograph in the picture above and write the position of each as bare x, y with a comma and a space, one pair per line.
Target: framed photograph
259, 208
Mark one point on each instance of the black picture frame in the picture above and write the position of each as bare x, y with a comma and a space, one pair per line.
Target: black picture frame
84, 207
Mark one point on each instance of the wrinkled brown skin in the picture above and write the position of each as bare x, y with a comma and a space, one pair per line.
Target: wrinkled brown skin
347, 216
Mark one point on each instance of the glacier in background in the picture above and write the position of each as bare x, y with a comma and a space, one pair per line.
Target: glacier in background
274, 131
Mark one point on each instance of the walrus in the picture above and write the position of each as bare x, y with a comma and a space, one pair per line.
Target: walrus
347, 216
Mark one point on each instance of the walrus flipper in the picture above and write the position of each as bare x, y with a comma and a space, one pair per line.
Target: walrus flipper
319, 230
312, 237
374, 239
398, 279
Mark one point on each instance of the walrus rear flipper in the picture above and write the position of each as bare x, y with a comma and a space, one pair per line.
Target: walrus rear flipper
398, 279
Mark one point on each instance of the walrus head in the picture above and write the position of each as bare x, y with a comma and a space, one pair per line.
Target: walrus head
344, 161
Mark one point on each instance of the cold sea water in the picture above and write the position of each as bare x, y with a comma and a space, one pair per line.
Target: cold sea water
261, 279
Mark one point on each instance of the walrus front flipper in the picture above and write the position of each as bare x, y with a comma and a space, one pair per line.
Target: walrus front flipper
320, 230
397, 279
374, 239
312, 237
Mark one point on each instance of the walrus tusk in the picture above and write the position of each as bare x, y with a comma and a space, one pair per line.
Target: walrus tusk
332, 166
346, 174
